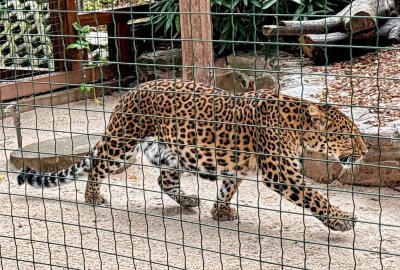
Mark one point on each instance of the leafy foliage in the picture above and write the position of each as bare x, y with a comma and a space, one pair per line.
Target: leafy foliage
242, 20
82, 44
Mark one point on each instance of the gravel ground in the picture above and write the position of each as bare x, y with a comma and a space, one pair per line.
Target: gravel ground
140, 229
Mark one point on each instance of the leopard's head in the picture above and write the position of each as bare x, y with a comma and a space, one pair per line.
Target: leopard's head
332, 132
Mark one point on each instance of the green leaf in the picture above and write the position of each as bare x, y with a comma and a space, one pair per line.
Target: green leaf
223, 47
310, 7
86, 87
243, 32
73, 46
226, 28
169, 21
299, 12
76, 26
269, 4
227, 4
234, 4
86, 29
178, 23
83, 43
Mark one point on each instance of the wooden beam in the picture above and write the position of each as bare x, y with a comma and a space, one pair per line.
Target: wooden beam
116, 15
364, 12
53, 81
118, 42
390, 31
296, 28
357, 17
196, 33
56, 31
318, 47
69, 17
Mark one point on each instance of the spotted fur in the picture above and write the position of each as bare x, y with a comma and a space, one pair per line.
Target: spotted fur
182, 125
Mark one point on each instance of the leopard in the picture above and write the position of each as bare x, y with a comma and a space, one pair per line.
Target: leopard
187, 126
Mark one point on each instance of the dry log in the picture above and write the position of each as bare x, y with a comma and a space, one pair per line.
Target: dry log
389, 32
296, 28
318, 47
344, 21
368, 10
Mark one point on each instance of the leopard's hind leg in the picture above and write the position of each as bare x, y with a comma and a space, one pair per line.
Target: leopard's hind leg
109, 156
222, 209
161, 155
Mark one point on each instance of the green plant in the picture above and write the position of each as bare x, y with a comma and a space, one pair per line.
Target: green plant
98, 4
82, 45
242, 20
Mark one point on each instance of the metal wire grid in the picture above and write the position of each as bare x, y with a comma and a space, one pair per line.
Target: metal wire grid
143, 247
33, 50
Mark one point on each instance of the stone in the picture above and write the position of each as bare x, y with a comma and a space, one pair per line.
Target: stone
220, 62
161, 64
266, 82
379, 174
241, 76
381, 166
53, 154
229, 80
162, 57
302, 92
247, 63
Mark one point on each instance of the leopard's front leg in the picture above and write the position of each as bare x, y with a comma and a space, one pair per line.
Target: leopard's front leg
282, 176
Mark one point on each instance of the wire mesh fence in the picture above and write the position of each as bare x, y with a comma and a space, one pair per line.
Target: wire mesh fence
288, 146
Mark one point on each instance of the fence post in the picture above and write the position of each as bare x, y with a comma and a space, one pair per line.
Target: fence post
196, 33
71, 16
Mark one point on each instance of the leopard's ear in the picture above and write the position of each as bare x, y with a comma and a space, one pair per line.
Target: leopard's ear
318, 117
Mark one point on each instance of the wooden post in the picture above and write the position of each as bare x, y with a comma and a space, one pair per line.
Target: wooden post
118, 44
70, 15
196, 33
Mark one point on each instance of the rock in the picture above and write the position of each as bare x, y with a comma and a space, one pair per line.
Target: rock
376, 175
162, 57
237, 82
160, 64
381, 149
396, 138
51, 158
242, 77
306, 92
230, 80
266, 82
220, 62
381, 166
320, 168
248, 63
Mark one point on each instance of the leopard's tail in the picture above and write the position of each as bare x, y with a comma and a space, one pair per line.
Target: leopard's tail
44, 180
